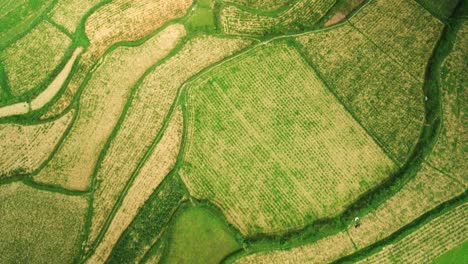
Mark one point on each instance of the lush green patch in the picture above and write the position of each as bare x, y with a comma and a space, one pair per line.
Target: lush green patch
150, 222
440, 8
202, 17
457, 255
199, 236
17, 15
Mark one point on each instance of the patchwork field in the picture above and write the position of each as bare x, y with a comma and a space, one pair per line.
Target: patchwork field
268, 175
428, 242
142, 122
159, 163
16, 16
31, 59
449, 152
101, 104
68, 13
303, 13
233, 131
39, 226
25, 147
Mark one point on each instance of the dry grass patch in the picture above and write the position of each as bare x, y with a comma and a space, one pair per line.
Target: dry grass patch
155, 168
145, 116
69, 12
39, 226
386, 100
428, 242
429, 189
130, 20
24, 148
324, 250
403, 29
262, 4
32, 58
101, 104
272, 147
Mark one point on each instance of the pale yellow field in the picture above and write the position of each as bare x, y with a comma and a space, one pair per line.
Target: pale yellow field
39, 226
450, 151
130, 20
270, 176
32, 58
403, 29
324, 250
68, 13
155, 168
54, 87
14, 109
386, 99
150, 104
426, 191
26, 147
429, 241
101, 104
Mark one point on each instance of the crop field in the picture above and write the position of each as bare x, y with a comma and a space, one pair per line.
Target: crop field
267, 5
101, 103
233, 123
16, 16
382, 95
417, 32
428, 242
153, 171
39, 224
125, 20
68, 13
449, 152
32, 58
233, 131
25, 147
142, 122
303, 13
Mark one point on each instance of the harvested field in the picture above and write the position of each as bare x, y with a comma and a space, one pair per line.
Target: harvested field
68, 13
153, 171
54, 87
14, 109
235, 20
144, 118
150, 223
275, 163
429, 189
449, 153
403, 29
429, 241
325, 250
16, 16
31, 59
386, 100
101, 104
25, 147
127, 20
39, 226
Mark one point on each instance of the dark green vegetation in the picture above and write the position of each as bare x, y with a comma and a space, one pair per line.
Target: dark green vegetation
150, 223
458, 255
198, 236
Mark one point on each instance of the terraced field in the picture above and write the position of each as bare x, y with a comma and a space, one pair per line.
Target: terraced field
233, 131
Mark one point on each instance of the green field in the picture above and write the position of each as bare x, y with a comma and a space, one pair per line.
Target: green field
457, 255
197, 236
